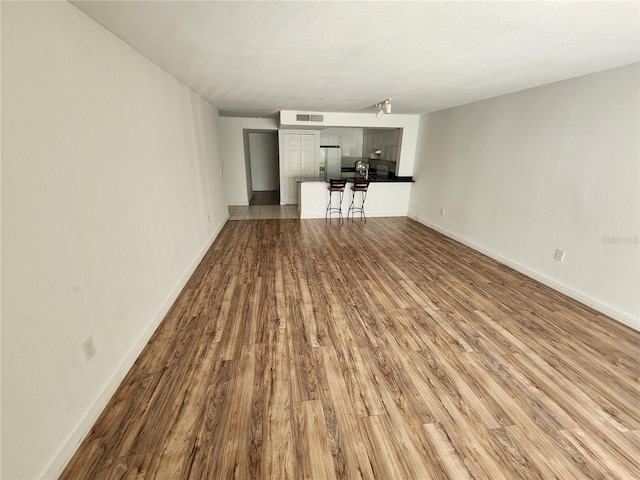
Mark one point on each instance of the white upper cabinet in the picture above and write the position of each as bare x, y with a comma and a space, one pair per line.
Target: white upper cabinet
395, 139
346, 145
329, 139
366, 145
349, 140
388, 141
357, 145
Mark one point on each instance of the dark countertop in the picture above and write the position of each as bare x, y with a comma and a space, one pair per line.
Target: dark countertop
350, 176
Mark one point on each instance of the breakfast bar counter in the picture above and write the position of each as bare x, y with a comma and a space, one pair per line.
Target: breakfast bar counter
386, 197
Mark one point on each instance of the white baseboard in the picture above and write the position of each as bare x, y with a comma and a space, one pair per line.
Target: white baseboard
62, 457
621, 317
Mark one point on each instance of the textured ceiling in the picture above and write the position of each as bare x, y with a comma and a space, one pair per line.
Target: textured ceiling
260, 57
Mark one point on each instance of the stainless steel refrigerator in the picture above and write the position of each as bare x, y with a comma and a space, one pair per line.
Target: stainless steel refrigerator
331, 160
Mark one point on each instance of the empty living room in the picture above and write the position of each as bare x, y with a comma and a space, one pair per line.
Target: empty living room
320, 240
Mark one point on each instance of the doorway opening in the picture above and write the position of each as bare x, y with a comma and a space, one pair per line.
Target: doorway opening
263, 167
265, 197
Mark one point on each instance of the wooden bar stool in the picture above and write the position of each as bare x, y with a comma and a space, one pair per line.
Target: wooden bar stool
336, 185
359, 185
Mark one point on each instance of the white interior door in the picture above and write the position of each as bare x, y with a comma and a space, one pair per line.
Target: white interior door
292, 159
299, 155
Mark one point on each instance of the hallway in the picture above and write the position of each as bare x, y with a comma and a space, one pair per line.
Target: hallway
268, 197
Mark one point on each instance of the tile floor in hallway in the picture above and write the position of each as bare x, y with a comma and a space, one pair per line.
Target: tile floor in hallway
261, 212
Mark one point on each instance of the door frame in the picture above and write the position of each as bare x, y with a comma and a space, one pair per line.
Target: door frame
247, 158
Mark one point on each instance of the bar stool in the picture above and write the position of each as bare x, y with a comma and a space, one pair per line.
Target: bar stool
335, 186
359, 185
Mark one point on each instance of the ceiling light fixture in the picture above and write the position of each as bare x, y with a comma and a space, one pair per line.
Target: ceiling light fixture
383, 107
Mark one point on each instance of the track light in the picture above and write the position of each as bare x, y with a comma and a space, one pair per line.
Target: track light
383, 107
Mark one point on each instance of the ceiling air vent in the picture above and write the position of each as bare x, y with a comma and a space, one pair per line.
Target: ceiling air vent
305, 117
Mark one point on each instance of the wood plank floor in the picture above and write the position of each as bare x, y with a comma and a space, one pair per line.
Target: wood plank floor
309, 350
266, 197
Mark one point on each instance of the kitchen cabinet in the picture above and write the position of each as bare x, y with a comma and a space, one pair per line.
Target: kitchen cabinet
329, 139
346, 145
384, 139
372, 141
388, 141
394, 145
350, 144
357, 145
366, 145
376, 140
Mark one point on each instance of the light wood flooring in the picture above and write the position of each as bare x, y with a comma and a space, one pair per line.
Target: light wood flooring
309, 350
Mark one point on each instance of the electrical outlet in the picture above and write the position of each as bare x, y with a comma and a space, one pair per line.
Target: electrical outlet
442, 211
559, 255
88, 348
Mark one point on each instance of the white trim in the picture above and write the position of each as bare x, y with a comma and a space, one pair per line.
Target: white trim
617, 315
64, 454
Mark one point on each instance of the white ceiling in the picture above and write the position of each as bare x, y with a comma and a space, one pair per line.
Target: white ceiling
260, 57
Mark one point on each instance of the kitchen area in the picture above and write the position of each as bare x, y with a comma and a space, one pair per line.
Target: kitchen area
372, 153
347, 153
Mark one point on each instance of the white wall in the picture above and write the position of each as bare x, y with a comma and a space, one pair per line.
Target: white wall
111, 193
263, 148
552, 167
233, 153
